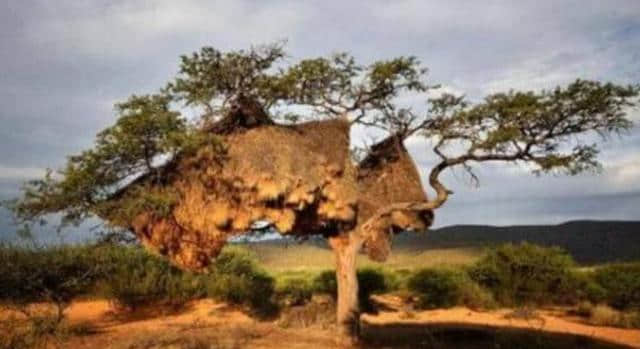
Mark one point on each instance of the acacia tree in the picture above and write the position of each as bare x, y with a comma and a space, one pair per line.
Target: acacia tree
272, 145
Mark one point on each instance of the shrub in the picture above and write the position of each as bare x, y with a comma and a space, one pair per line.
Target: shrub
234, 260
584, 309
621, 283
434, 288
442, 288
294, 291
370, 281
473, 295
127, 275
181, 287
603, 315
138, 278
592, 291
55, 274
58, 275
326, 283
235, 277
578, 286
524, 273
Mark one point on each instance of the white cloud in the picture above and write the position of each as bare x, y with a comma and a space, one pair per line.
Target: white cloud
124, 29
625, 174
63, 60
16, 173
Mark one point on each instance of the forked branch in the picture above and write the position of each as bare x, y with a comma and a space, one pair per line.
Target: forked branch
546, 130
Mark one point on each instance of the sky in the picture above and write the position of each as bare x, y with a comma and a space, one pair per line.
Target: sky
65, 63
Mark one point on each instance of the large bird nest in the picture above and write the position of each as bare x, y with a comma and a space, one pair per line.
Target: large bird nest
300, 178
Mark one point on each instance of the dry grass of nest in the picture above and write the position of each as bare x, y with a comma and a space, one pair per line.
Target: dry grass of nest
300, 178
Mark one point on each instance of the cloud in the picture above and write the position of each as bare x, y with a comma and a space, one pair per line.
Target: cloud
12, 173
625, 175
122, 29
66, 63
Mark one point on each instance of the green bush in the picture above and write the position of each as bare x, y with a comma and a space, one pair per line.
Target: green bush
474, 296
577, 287
55, 274
370, 281
621, 283
129, 276
294, 291
593, 292
235, 277
437, 288
326, 283
138, 278
524, 273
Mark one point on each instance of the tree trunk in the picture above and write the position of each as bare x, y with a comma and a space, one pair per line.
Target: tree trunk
348, 316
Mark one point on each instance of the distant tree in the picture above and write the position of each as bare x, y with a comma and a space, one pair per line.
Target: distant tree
272, 144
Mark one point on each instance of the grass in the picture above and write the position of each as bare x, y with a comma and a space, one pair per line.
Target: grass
41, 329
304, 259
191, 338
604, 315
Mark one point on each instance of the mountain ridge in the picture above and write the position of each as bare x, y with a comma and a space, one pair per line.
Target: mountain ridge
588, 241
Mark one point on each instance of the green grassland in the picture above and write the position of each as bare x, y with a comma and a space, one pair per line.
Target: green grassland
279, 258
590, 243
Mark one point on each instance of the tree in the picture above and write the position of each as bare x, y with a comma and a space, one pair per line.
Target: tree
272, 144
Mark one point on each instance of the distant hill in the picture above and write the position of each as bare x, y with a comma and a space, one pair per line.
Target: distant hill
587, 241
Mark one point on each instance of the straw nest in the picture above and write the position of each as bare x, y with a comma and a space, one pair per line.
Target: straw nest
299, 178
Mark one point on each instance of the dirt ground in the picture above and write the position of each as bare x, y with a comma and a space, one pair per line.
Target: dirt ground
212, 322
223, 327
551, 322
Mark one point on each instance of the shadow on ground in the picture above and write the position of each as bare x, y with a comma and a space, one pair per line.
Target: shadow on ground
455, 335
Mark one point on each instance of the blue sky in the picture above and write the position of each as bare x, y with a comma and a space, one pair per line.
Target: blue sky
65, 63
